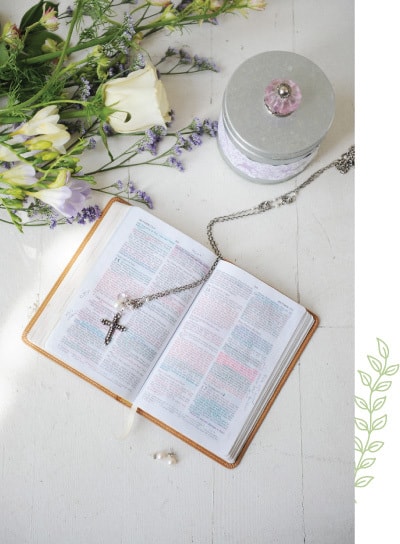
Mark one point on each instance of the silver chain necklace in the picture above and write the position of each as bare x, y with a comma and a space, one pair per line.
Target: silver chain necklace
343, 164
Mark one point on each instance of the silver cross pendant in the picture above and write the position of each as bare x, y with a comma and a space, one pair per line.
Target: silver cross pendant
113, 326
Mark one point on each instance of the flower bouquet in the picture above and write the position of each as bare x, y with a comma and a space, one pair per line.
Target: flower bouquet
62, 96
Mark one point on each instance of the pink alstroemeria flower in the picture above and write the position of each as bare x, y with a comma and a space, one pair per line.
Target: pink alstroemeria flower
49, 19
68, 200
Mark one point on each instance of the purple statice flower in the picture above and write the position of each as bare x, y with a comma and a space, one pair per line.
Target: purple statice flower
197, 125
119, 185
88, 215
180, 6
210, 128
144, 197
53, 222
130, 187
152, 138
195, 139
171, 52
91, 143
185, 57
183, 142
173, 161
202, 63
108, 131
177, 150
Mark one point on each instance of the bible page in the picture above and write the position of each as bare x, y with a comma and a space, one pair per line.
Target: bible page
230, 343
144, 256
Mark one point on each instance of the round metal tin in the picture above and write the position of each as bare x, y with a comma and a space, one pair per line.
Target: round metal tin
255, 134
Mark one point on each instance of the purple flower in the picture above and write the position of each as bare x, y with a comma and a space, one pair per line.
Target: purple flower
202, 63
195, 139
108, 131
185, 57
144, 197
68, 200
173, 161
210, 128
53, 222
91, 143
88, 215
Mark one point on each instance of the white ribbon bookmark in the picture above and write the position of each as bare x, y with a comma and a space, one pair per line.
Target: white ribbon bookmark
129, 422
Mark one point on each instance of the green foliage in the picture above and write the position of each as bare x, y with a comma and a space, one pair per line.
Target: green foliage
370, 421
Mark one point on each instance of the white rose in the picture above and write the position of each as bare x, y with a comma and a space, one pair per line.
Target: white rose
140, 100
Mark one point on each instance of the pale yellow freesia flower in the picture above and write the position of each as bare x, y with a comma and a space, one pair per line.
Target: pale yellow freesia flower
45, 121
21, 174
54, 141
141, 101
7, 155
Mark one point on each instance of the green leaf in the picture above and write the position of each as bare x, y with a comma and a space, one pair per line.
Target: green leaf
379, 423
392, 370
367, 462
375, 363
365, 378
359, 444
361, 403
36, 40
361, 424
364, 481
383, 348
383, 386
375, 446
378, 403
16, 220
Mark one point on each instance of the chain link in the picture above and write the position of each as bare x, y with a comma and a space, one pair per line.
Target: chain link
343, 165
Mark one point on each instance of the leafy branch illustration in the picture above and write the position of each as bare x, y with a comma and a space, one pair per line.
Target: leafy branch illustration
373, 402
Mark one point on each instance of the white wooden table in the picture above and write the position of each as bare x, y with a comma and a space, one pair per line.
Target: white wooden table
66, 476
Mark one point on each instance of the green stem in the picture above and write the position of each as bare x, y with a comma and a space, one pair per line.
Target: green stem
80, 47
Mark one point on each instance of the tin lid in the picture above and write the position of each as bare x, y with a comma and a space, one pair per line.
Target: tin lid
255, 130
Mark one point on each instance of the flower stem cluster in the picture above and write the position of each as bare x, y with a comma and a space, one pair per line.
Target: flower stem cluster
159, 146
62, 93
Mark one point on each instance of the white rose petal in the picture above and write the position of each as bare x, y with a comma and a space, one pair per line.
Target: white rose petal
140, 95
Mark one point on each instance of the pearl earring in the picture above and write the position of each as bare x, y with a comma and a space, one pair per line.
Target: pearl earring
170, 456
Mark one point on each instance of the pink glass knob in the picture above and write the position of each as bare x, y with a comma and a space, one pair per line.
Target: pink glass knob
282, 97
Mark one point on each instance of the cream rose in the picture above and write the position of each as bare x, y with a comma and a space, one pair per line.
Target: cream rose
139, 99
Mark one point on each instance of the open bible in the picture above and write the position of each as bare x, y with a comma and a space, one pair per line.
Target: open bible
205, 363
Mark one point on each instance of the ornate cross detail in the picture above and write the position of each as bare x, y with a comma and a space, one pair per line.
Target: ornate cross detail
113, 326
